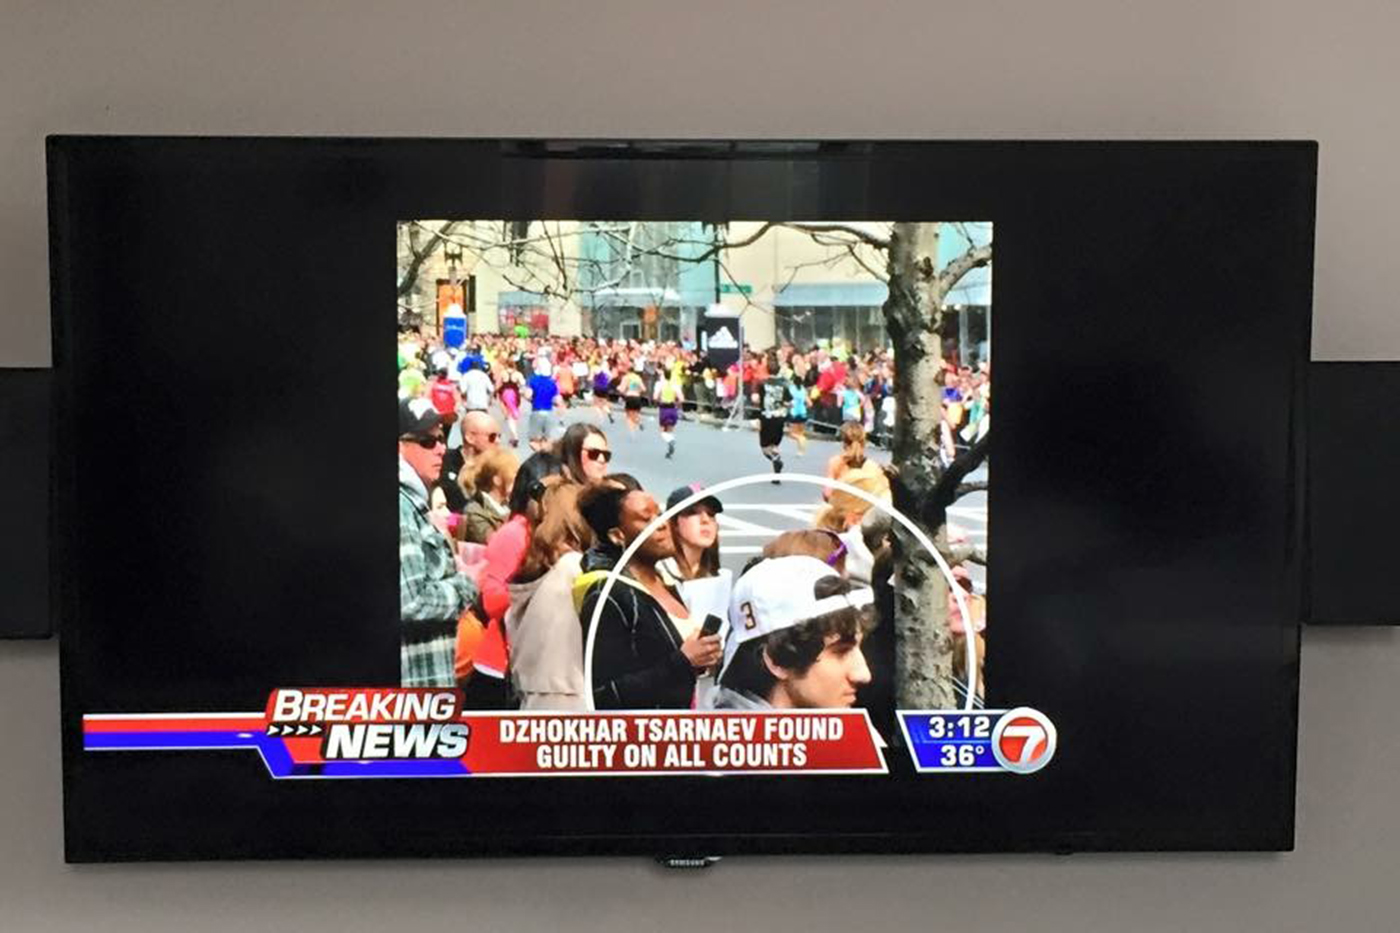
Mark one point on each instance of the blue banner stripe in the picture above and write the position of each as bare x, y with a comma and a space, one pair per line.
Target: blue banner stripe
102, 740
274, 753
437, 767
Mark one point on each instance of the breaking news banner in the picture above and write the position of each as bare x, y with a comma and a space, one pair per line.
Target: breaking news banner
393, 732
1020, 740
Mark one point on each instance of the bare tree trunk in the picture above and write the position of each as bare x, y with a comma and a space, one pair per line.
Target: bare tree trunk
420, 254
913, 314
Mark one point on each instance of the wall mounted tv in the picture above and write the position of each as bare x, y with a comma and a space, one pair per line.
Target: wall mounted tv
432, 497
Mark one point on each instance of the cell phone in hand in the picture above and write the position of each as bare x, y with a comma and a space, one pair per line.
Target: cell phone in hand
711, 625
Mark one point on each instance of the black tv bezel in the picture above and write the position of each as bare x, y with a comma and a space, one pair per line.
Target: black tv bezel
1029, 178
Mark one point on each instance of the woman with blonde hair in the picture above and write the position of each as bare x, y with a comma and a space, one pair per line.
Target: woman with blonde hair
487, 489
852, 467
546, 639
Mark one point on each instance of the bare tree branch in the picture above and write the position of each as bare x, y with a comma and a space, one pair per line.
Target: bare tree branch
748, 301
957, 553
420, 256
626, 270
713, 250
798, 267
967, 488
934, 510
556, 255
972, 259
470, 238
852, 249
862, 235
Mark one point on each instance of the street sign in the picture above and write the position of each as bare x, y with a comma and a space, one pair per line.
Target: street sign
732, 288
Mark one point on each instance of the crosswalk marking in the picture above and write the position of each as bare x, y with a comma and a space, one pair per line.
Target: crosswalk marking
729, 525
764, 521
800, 512
790, 508
969, 521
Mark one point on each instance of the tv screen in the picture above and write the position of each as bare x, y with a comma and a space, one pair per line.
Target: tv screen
480, 497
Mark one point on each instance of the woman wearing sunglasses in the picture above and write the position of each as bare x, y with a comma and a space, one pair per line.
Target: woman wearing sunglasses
585, 452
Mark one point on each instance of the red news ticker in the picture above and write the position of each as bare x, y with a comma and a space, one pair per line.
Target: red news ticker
397, 723
834, 741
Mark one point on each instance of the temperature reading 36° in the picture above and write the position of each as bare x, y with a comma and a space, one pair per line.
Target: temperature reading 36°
960, 756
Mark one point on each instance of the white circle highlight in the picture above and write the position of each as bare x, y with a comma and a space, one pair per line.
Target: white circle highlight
801, 478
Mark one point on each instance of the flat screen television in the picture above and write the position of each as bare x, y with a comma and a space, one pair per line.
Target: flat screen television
434, 497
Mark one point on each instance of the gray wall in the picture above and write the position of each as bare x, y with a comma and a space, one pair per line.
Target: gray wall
1068, 68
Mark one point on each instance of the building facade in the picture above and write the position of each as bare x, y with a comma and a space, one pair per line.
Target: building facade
650, 280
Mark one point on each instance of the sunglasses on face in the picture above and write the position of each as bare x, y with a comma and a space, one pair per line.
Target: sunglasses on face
594, 453
426, 441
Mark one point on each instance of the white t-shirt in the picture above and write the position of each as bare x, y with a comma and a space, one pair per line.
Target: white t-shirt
686, 627
476, 389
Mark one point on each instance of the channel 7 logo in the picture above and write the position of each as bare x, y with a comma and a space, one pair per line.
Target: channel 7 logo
1023, 740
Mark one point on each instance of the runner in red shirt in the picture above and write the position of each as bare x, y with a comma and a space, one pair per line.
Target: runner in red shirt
444, 394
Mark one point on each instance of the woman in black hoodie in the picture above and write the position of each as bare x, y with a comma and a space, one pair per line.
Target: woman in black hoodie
647, 651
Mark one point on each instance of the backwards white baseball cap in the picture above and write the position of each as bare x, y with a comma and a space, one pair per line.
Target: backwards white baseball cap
779, 593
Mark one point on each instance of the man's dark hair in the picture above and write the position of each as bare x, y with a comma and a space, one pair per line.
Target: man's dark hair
601, 507
529, 480
798, 646
626, 480
751, 563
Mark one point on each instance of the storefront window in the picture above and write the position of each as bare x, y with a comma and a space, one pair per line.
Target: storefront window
966, 334
536, 320
860, 328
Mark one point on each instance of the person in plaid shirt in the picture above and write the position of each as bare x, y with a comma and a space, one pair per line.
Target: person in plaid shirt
433, 593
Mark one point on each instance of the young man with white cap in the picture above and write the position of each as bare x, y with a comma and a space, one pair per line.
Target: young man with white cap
796, 628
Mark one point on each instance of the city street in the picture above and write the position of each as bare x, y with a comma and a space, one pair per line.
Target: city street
753, 514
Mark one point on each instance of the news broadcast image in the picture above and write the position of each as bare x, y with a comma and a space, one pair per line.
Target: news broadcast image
654, 465
674, 498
